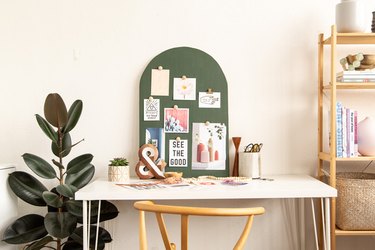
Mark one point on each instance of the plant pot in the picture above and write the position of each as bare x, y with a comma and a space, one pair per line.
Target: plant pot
119, 174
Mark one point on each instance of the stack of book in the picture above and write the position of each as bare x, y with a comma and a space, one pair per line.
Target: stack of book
346, 132
356, 76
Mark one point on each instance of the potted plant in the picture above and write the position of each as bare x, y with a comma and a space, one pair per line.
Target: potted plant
59, 228
118, 170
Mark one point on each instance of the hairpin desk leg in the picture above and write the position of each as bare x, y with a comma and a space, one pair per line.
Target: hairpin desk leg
84, 207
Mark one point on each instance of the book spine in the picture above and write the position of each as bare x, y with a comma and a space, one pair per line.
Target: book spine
344, 134
339, 142
356, 133
351, 133
347, 132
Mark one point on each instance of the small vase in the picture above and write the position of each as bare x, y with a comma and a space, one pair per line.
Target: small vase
119, 174
350, 16
366, 137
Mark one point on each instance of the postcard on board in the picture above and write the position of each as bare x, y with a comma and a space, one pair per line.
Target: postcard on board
176, 120
209, 100
208, 146
184, 88
160, 82
151, 110
178, 153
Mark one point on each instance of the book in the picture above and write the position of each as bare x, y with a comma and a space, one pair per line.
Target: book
356, 133
339, 143
351, 133
344, 133
356, 80
356, 72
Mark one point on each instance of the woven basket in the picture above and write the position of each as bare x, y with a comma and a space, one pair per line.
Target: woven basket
355, 201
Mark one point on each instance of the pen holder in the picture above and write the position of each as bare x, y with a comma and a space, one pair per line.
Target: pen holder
250, 164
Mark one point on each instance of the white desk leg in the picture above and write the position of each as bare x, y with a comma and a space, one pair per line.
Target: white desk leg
314, 220
84, 207
97, 226
322, 210
328, 223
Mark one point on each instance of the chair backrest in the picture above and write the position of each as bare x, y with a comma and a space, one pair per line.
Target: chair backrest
185, 212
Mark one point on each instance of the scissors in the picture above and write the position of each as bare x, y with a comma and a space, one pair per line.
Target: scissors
253, 148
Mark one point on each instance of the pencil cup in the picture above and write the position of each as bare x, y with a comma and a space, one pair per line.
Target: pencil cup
250, 164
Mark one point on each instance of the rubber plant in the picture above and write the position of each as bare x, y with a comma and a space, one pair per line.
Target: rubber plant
61, 227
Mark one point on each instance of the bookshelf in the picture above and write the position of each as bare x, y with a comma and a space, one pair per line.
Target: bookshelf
332, 87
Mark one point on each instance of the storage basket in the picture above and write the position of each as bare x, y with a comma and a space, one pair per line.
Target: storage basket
355, 207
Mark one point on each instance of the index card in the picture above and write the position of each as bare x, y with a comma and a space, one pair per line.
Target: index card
160, 82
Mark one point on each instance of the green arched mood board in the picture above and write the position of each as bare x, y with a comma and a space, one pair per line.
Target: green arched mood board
189, 100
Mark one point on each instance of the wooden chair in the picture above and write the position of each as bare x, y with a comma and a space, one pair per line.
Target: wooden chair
149, 206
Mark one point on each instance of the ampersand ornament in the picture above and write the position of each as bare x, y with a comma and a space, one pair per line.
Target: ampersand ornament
146, 167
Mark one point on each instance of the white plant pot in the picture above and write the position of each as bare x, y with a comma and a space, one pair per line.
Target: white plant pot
350, 16
119, 174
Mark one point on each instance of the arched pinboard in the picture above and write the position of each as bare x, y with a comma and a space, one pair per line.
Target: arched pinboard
200, 119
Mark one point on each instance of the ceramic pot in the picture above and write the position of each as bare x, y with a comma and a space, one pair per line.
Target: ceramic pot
119, 174
366, 137
350, 16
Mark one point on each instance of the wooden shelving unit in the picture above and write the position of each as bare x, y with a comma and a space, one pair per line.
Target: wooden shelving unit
332, 86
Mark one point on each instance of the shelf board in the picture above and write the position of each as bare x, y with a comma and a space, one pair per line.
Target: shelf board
353, 38
327, 157
340, 232
351, 85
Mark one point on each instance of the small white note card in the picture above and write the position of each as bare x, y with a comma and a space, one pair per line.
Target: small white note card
178, 153
151, 110
160, 82
209, 100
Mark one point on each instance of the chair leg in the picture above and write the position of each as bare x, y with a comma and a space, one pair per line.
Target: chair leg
142, 231
245, 233
184, 231
164, 234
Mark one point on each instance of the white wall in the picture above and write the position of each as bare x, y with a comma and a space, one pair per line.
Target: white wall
97, 50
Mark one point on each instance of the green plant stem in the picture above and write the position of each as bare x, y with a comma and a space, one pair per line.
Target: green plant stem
61, 180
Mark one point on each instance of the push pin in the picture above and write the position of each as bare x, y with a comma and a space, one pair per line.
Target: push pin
160, 68
151, 98
183, 77
178, 138
207, 123
175, 106
209, 91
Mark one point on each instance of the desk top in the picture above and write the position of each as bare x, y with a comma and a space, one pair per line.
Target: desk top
282, 186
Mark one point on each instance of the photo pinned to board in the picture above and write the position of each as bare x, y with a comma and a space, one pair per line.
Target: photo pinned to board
184, 88
176, 120
160, 82
209, 146
209, 100
151, 110
155, 136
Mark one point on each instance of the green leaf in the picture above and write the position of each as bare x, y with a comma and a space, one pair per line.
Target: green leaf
37, 245
73, 116
39, 166
79, 163
25, 229
103, 237
27, 188
66, 190
52, 199
72, 245
58, 164
55, 110
47, 129
60, 225
81, 178
108, 211
66, 146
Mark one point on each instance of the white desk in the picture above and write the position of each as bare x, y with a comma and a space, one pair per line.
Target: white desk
282, 186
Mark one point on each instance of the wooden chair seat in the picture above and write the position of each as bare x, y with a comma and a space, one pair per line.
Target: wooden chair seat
185, 212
